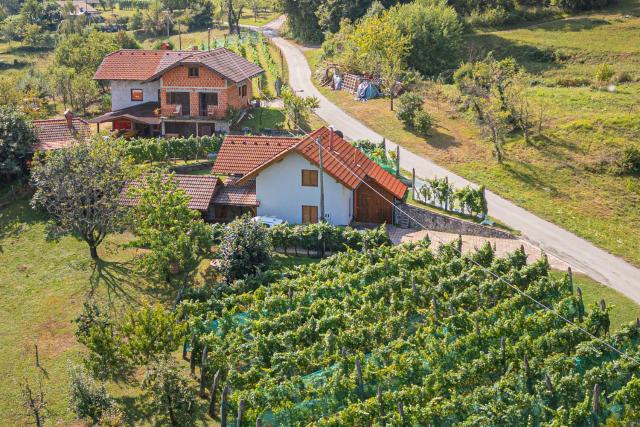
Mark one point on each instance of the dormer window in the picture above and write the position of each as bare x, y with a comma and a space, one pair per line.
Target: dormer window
137, 95
194, 72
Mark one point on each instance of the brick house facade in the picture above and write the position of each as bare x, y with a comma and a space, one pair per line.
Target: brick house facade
176, 93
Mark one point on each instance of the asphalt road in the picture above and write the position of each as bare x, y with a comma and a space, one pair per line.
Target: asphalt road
582, 255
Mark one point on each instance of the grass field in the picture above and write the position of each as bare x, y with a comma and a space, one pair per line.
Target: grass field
557, 176
42, 287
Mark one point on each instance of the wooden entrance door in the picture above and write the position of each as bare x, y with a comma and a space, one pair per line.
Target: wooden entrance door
372, 208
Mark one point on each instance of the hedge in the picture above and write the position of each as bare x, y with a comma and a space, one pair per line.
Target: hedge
309, 237
162, 149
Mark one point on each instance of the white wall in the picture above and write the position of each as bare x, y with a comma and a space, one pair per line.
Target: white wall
281, 194
121, 93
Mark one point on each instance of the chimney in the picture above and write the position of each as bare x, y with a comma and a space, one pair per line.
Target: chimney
68, 115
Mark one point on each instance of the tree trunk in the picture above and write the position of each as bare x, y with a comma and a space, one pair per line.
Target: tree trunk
93, 250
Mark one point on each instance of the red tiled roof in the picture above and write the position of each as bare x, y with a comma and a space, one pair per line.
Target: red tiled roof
143, 65
341, 160
241, 154
346, 163
53, 134
235, 194
200, 188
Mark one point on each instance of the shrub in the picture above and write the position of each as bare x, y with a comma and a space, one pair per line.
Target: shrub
245, 249
87, 397
623, 77
422, 122
408, 104
604, 73
628, 161
572, 81
169, 393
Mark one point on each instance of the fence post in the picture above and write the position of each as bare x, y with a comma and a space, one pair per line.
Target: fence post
413, 182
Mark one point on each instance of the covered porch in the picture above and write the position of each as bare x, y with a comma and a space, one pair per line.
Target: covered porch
140, 120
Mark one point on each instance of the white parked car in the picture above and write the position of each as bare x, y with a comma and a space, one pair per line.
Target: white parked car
269, 221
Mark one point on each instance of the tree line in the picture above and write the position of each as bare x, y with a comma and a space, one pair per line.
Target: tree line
313, 20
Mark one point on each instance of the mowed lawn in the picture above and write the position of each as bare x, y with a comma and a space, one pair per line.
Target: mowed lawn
560, 176
42, 288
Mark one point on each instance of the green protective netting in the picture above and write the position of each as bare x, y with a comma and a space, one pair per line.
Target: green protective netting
237, 319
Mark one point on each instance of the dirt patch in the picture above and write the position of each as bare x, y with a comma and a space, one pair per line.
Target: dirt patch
54, 338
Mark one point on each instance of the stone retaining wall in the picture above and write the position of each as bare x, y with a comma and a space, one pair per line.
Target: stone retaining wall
439, 222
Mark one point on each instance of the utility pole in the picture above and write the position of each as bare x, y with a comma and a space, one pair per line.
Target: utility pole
319, 142
209, 38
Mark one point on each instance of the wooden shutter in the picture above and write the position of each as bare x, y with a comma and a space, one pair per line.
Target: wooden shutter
309, 178
309, 214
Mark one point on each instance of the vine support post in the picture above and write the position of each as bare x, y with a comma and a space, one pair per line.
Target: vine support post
212, 394
401, 410
203, 364
595, 405
434, 302
224, 407
570, 279
359, 374
240, 413
192, 359
397, 160
37, 356
381, 404
580, 304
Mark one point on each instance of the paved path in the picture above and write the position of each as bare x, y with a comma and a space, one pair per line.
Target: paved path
575, 251
471, 243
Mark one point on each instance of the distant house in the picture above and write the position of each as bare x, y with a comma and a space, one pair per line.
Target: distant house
53, 134
164, 92
82, 7
284, 174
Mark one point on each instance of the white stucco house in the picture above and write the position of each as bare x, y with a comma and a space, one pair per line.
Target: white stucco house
285, 175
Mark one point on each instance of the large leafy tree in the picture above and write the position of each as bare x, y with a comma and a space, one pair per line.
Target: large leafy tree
16, 141
80, 188
383, 48
150, 333
175, 235
435, 35
84, 52
486, 86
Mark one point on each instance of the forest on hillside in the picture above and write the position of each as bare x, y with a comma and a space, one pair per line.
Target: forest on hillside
309, 20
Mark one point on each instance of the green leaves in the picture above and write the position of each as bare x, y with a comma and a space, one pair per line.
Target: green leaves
174, 235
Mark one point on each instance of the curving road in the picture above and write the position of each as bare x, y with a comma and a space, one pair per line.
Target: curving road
575, 251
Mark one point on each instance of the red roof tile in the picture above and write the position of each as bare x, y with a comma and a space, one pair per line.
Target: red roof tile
341, 160
235, 194
53, 134
346, 163
241, 154
143, 65
200, 188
